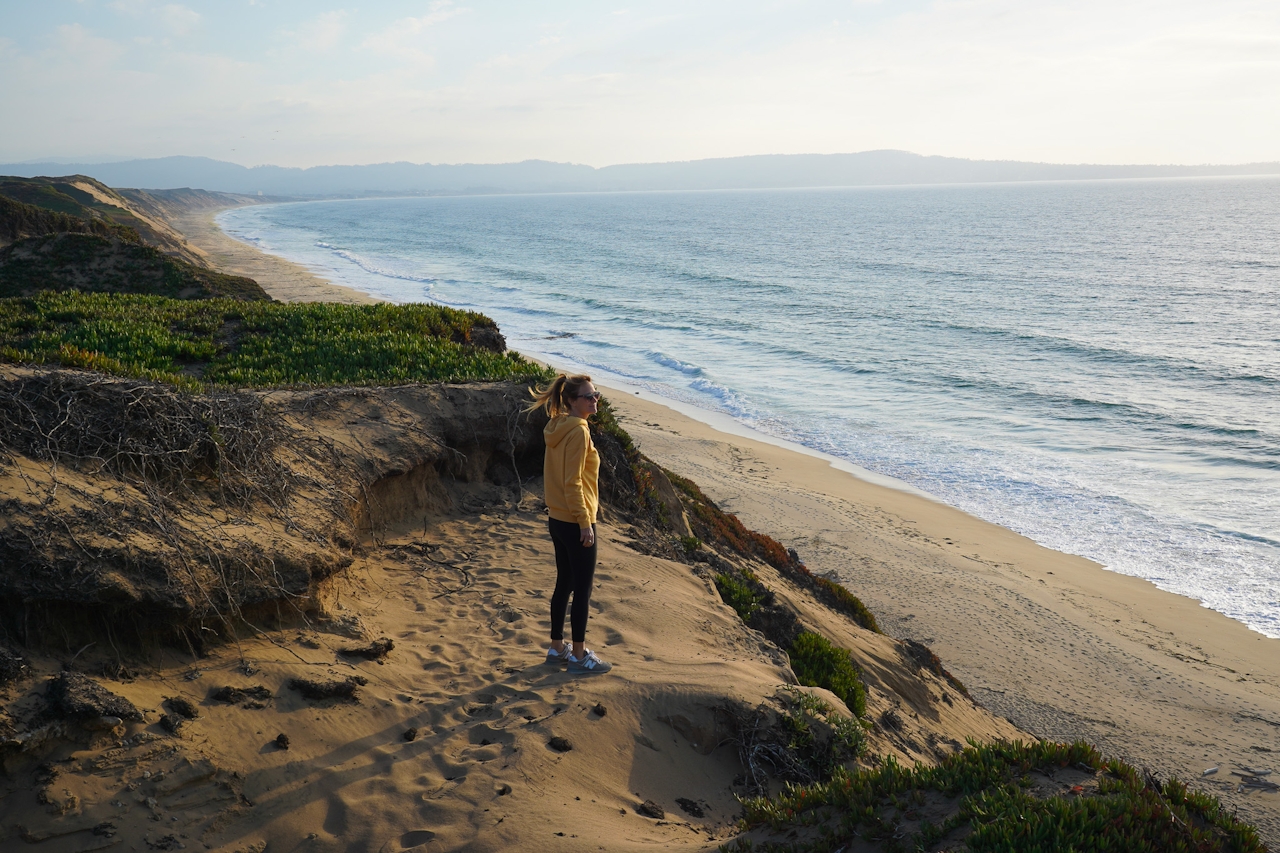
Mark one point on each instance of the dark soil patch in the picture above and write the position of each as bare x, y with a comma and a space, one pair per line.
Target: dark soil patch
73, 696
347, 690
377, 650
248, 697
690, 807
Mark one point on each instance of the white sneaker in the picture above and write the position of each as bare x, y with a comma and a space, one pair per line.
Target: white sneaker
589, 663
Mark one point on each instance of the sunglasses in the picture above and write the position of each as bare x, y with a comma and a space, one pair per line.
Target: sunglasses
594, 395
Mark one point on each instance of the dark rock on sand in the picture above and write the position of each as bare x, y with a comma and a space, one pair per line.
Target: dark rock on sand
411, 734
651, 809
181, 706
317, 690
77, 697
12, 666
560, 744
282, 741
377, 650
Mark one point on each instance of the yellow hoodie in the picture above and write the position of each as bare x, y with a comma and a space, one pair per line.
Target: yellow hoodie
570, 471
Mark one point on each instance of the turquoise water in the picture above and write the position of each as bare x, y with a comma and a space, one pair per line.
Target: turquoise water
1094, 365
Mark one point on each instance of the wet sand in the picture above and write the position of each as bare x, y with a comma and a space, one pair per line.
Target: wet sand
283, 280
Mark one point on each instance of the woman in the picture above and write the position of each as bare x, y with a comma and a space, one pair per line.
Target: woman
571, 471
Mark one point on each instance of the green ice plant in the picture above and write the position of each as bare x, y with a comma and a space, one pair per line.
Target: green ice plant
817, 662
1123, 812
226, 342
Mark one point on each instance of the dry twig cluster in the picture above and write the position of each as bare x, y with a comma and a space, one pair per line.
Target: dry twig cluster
137, 494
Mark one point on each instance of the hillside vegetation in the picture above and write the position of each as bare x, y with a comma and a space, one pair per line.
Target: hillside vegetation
256, 344
83, 198
19, 219
95, 263
76, 234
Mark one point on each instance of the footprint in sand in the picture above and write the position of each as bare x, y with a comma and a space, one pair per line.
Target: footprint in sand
409, 841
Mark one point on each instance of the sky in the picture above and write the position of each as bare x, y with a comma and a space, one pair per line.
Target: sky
297, 83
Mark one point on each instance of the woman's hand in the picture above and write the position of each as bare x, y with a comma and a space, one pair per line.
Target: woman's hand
588, 537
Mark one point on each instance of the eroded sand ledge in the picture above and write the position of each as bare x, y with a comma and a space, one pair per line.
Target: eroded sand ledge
1061, 646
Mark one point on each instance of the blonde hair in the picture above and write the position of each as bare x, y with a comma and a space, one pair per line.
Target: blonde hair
557, 397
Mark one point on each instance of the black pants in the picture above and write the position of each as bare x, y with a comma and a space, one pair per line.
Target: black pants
575, 571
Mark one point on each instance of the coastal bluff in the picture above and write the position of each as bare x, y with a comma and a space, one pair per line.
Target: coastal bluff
332, 635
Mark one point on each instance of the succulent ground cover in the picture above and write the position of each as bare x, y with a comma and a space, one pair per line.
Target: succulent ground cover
226, 342
1028, 797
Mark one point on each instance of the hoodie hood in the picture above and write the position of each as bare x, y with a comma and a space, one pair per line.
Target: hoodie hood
557, 428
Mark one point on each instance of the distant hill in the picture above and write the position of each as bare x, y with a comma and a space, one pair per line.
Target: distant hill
19, 219
75, 233
91, 200
168, 203
868, 168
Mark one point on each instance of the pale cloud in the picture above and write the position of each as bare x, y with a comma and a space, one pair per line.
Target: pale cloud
404, 38
78, 45
1224, 47
323, 32
176, 19
130, 7
179, 20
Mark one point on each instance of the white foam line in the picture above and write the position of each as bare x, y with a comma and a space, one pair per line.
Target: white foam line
726, 424
716, 420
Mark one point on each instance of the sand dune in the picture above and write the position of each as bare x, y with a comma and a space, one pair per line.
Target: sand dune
448, 740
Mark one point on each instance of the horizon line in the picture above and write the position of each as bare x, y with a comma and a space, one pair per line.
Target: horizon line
115, 160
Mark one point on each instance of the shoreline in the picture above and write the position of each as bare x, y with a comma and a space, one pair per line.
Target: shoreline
1056, 643
1061, 646
281, 279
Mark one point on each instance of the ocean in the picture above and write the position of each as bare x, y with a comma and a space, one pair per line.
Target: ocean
1095, 365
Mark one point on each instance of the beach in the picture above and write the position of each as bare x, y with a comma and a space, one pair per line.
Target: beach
283, 280
1061, 647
